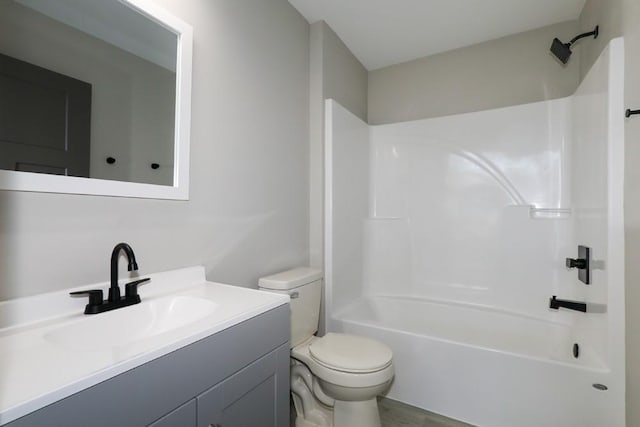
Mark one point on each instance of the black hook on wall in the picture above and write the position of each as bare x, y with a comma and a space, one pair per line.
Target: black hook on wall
155, 165
630, 113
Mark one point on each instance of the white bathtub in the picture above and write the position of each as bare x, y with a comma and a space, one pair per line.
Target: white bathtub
483, 366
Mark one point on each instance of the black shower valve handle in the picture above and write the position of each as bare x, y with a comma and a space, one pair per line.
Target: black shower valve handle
578, 263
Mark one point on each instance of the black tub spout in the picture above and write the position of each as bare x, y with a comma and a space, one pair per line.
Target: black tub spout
555, 304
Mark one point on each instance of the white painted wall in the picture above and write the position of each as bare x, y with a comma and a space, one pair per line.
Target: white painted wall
508, 71
249, 206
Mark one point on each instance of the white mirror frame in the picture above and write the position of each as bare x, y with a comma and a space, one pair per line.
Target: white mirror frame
37, 182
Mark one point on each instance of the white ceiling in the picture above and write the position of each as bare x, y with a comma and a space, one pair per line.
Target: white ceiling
386, 32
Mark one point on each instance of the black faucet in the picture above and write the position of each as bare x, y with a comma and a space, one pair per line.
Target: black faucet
555, 304
114, 289
97, 304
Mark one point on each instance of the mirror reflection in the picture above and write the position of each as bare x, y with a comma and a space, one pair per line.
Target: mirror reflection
87, 89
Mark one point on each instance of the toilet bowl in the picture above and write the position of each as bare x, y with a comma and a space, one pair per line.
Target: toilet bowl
351, 371
335, 379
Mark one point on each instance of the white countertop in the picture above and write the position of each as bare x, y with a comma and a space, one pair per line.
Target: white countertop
36, 371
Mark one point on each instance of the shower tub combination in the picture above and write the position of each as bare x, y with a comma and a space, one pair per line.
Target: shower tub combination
445, 238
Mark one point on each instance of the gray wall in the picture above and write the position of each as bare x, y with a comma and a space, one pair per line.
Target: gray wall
631, 31
337, 74
512, 70
607, 14
622, 17
249, 206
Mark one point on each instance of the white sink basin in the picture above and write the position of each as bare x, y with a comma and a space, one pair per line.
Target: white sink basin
47, 337
130, 324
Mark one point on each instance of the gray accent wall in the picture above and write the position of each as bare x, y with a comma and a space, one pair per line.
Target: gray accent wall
607, 14
512, 70
249, 201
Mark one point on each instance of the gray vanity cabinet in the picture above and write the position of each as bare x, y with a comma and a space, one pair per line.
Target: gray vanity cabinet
246, 398
237, 377
186, 415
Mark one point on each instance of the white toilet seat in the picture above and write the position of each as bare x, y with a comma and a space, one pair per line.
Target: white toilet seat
350, 353
366, 377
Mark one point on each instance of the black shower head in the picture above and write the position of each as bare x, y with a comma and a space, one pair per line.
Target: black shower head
562, 51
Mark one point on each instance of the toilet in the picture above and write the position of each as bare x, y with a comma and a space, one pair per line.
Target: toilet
335, 379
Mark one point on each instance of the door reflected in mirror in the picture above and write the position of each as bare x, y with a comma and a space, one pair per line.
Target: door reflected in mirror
87, 89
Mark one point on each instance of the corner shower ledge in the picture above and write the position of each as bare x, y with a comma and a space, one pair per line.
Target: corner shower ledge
545, 213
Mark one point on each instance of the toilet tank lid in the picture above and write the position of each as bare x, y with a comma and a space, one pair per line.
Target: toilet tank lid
290, 279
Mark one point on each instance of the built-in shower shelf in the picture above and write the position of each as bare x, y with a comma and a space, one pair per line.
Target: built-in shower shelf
387, 218
543, 213
549, 213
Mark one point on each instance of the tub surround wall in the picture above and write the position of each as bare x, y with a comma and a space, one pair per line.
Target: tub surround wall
347, 160
622, 17
248, 211
471, 216
597, 205
463, 197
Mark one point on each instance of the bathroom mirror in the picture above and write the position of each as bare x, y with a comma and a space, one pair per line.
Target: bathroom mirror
94, 98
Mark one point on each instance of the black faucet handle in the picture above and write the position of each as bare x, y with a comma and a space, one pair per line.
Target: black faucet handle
579, 263
131, 288
95, 296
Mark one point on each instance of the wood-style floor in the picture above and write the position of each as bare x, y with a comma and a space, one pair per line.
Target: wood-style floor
397, 414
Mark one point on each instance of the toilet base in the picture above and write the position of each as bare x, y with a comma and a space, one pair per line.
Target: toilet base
356, 414
316, 416
331, 398
344, 414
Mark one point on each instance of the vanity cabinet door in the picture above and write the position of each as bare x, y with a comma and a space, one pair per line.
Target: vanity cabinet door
255, 396
184, 416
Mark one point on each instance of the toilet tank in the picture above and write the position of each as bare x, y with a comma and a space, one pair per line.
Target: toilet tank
304, 286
